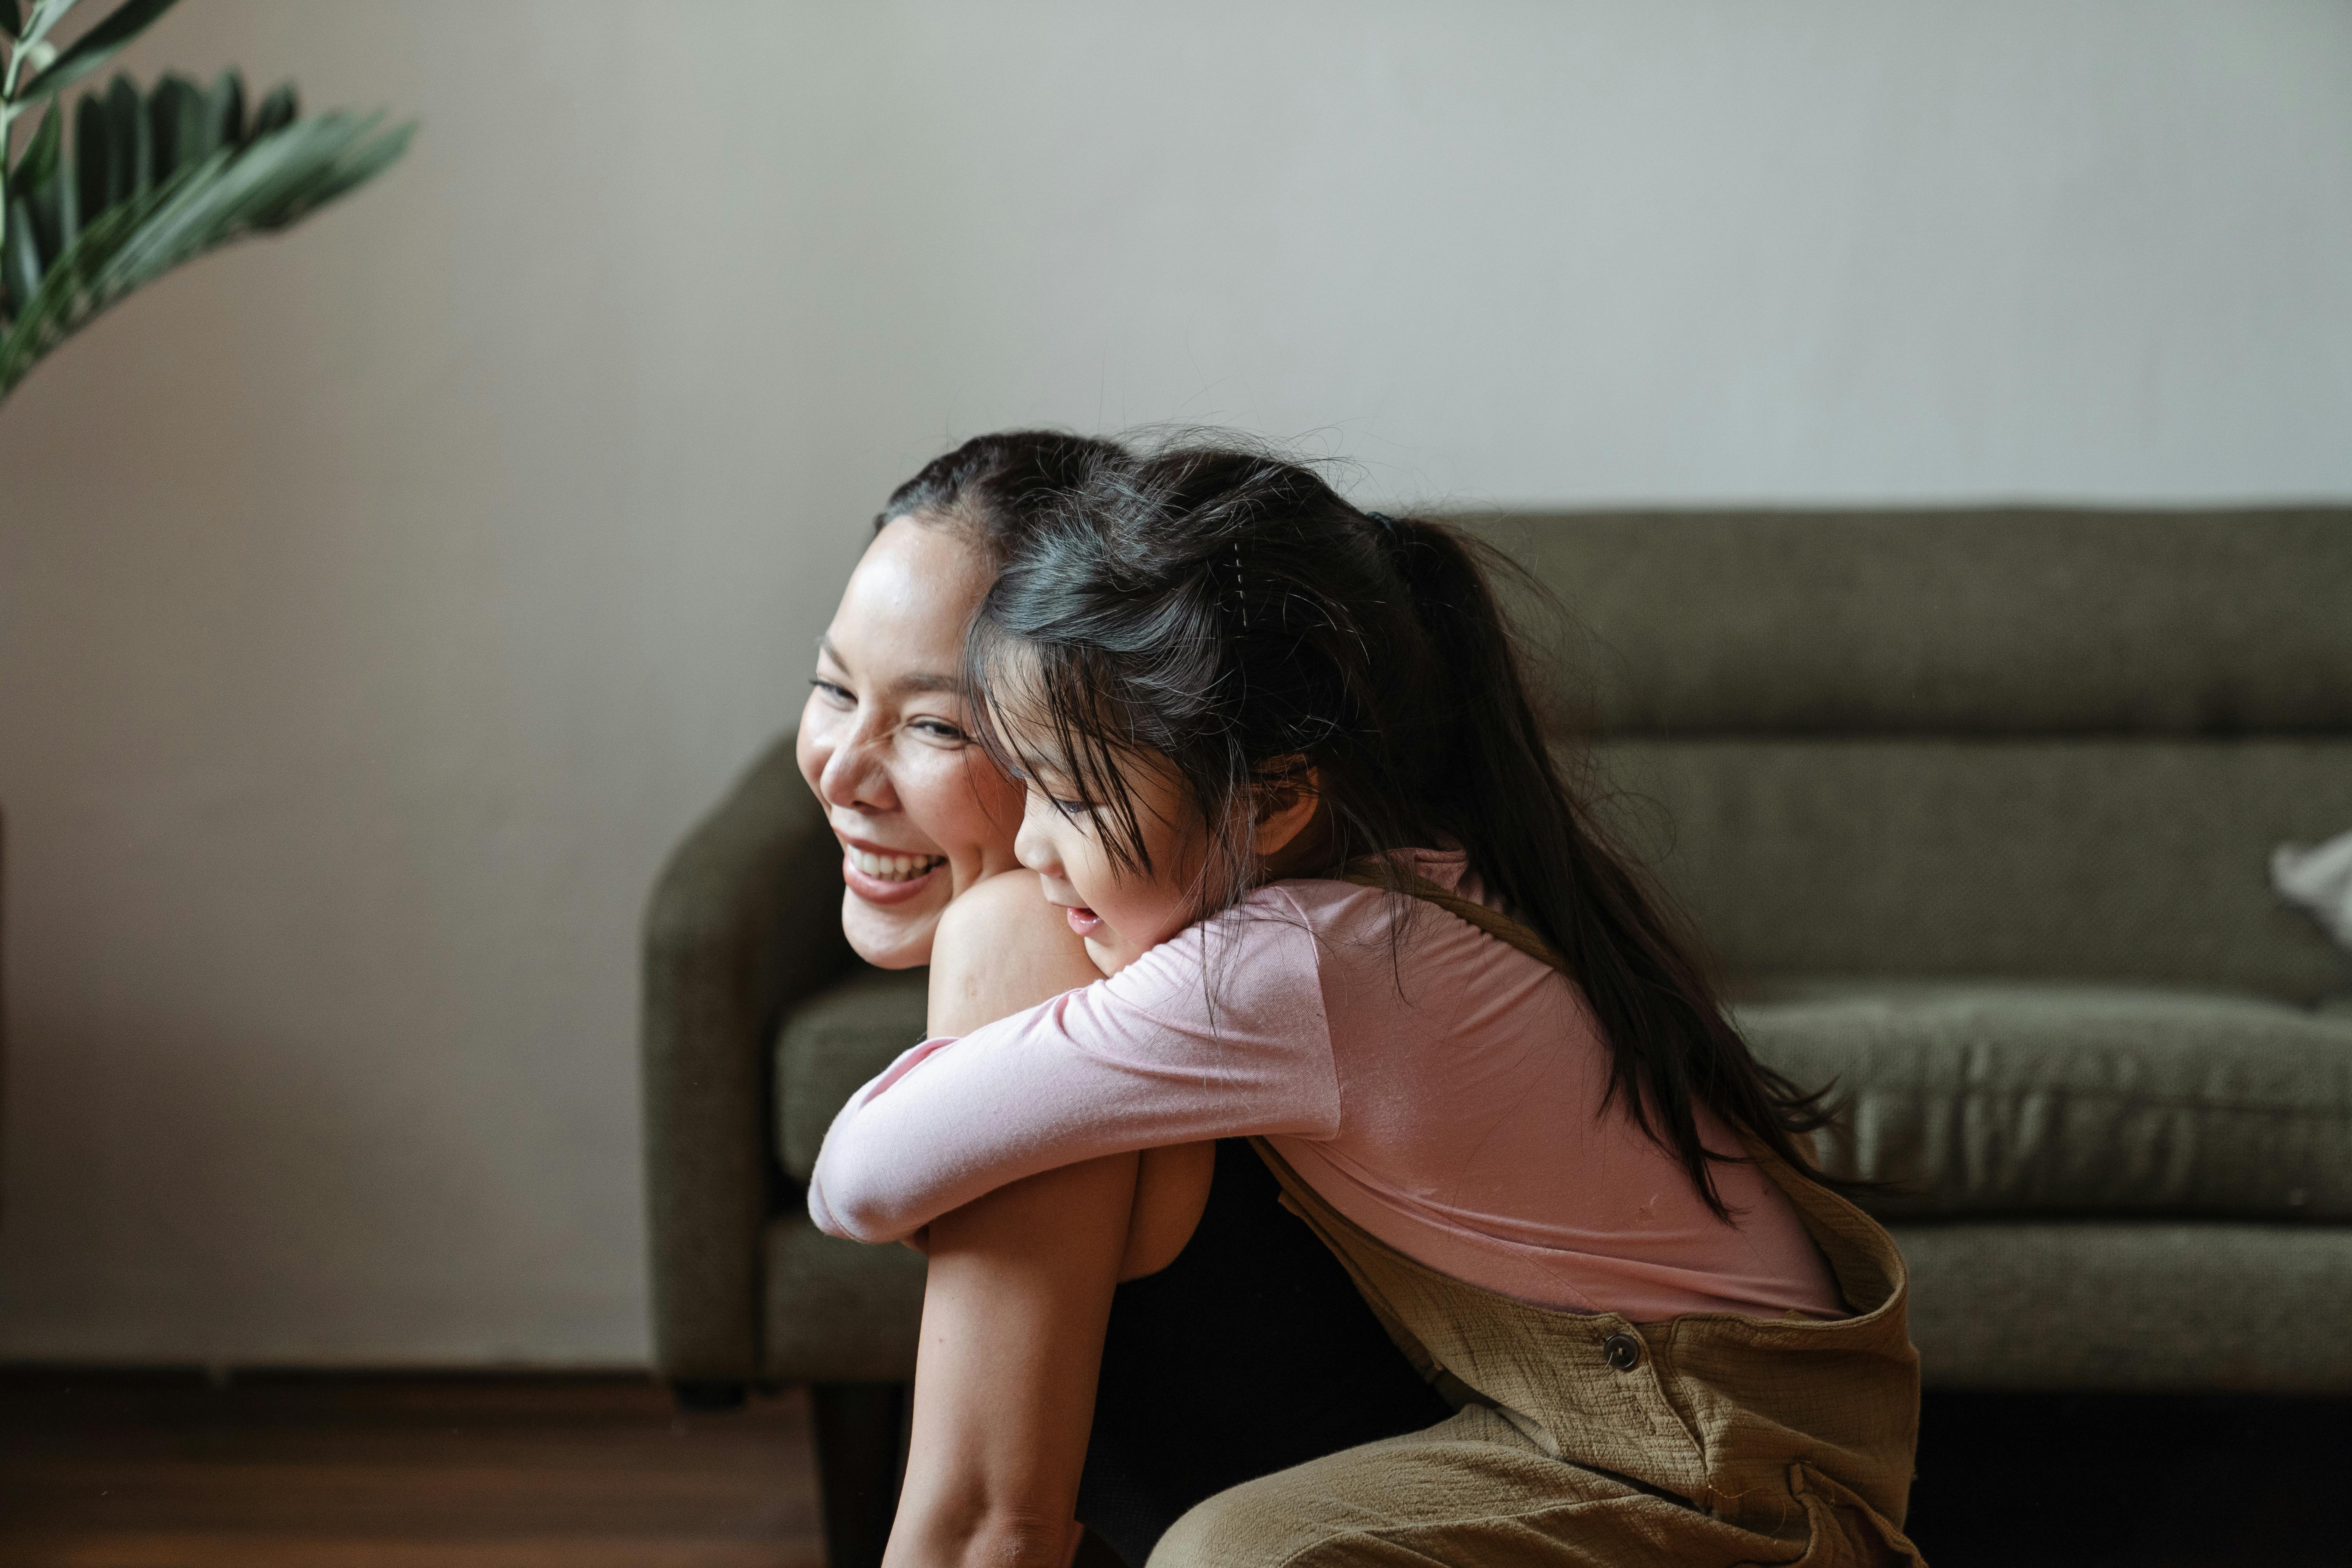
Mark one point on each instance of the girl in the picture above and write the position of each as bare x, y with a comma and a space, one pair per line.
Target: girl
1283, 773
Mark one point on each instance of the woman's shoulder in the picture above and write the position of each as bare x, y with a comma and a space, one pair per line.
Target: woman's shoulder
999, 948
1009, 901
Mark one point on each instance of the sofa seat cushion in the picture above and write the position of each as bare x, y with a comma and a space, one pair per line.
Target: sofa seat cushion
1986, 1098
837, 1311
831, 1045
2141, 1306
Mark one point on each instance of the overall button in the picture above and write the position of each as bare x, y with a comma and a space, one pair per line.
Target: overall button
1624, 1350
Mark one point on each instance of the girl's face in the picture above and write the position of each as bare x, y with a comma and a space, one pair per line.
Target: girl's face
921, 812
1122, 914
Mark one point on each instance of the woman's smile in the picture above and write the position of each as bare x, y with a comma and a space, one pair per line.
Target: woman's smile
881, 875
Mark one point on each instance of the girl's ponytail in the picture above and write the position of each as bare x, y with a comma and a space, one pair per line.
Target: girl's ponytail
1672, 1048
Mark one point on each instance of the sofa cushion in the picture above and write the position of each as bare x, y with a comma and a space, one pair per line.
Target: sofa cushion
2143, 1306
831, 1045
2015, 621
1986, 1099
2098, 858
838, 1311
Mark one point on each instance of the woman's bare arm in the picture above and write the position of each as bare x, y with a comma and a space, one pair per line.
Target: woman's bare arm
1014, 1307
1020, 1282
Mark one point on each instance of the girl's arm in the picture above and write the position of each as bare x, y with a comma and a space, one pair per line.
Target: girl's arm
1000, 949
1020, 1280
1155, 1057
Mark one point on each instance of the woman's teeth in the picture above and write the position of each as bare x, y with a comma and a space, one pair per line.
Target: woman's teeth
895, 868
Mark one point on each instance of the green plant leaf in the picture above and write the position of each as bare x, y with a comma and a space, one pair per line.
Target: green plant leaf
93, 157
69, 189
40, 159
11, 23
61, 304
40, 181
20, 259
93, 49
278, 110
230, 194
45, 14
175, 124
130, 152
224, 109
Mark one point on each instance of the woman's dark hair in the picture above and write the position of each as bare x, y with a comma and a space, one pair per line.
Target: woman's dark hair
995, 489
1228, 612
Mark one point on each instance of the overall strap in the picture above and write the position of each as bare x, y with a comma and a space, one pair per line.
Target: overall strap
1502, 927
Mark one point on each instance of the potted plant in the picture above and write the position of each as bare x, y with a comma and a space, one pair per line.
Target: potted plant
141, 181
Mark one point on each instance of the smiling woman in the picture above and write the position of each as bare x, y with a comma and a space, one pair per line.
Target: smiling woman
885, 740
921, 812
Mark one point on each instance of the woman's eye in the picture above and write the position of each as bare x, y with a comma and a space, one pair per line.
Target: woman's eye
939, 730
834, 691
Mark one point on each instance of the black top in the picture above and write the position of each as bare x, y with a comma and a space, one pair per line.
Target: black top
1250, 1353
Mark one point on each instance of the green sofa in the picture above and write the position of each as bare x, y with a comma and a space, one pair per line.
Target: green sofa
1975, 809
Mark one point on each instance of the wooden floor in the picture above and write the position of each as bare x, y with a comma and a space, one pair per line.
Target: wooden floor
167, 1471
149, 1471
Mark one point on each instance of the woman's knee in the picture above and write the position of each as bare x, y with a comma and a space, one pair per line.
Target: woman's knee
1172, 1189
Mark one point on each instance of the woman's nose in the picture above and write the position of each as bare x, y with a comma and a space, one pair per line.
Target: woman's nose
856, 774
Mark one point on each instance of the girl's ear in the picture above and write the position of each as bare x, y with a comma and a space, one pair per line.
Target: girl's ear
1288, 792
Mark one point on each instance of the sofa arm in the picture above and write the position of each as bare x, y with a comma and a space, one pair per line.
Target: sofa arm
744, 920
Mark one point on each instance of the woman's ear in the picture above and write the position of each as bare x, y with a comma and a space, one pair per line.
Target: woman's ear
1288, 792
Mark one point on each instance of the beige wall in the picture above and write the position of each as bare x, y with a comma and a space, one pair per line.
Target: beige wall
377, 604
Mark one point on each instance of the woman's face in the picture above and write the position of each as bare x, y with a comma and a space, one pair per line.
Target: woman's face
885, 741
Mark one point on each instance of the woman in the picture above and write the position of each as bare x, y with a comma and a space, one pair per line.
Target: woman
885, 741
1025, 1276
1284, 774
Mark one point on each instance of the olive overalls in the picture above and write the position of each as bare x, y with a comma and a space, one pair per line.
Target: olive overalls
1707, 1439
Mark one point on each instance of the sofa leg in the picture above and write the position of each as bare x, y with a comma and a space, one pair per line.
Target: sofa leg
861, 1441
706, 1395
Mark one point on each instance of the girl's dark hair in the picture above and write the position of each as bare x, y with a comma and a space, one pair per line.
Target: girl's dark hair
995, 489
1226, 611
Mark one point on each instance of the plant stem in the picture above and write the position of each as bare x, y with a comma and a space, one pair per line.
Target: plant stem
7, 125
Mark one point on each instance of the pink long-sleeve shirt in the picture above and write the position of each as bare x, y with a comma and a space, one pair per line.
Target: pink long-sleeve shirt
1443, 1091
